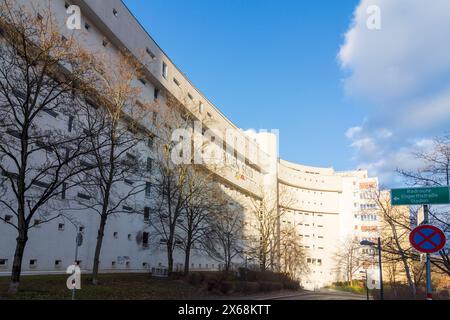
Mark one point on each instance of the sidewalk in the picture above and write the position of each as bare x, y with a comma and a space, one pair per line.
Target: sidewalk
270, 295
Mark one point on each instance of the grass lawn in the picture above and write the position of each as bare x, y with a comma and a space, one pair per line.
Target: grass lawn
111, 286
357, 289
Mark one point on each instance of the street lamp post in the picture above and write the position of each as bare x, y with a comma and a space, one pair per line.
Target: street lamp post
378, 247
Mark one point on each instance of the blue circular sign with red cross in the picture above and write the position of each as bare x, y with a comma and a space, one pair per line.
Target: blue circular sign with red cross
427, 239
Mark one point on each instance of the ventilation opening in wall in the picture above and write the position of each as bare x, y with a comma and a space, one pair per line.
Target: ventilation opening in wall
150, 53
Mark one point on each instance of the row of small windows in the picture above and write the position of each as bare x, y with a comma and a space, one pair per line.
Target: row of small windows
314, 261
33, 263
308, 236
368, 206
369, 217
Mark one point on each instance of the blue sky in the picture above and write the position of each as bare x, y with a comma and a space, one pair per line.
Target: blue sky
266, 65
340, 93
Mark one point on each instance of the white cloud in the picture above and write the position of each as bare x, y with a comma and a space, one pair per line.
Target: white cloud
403, 72
352, 132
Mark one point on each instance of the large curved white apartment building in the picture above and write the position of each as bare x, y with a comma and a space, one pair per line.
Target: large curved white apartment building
326, 207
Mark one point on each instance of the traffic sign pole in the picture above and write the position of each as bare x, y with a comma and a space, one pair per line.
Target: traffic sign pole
428, 263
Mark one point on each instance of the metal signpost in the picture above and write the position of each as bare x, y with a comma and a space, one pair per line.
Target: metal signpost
78, 243
424, 238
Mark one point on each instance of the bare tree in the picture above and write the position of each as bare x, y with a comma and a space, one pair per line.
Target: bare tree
435, 171
115, 122
395, 230
348, 259
196, 216
266, 214
40, 70
172, 182
224, 241
292, 253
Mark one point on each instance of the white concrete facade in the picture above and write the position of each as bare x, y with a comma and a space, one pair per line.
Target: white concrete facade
324, 210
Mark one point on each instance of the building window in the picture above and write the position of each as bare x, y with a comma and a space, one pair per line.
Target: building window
58, 263
113, 264
145, 239
164, 70
127, 208
84, 196
129, 236
156, 94
13, 133
33, 263
190, 97
150, 53
70, 124
143, 81
148, 187
81, 229
201, 107
105, 43
64, 190
116, 235
146, 214
127, 264
87, 26
61, 226
3, 263
176, 82
115, 13
149, 164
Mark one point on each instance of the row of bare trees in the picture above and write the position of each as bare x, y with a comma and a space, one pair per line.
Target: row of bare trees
73, 123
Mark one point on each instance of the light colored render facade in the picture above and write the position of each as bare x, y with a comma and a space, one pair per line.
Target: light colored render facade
323, 210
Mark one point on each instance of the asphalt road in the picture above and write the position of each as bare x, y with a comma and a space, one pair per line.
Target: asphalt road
322, 295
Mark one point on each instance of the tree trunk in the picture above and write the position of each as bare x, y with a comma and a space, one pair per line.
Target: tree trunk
169, 259
98, 248
21, 242
187, 257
